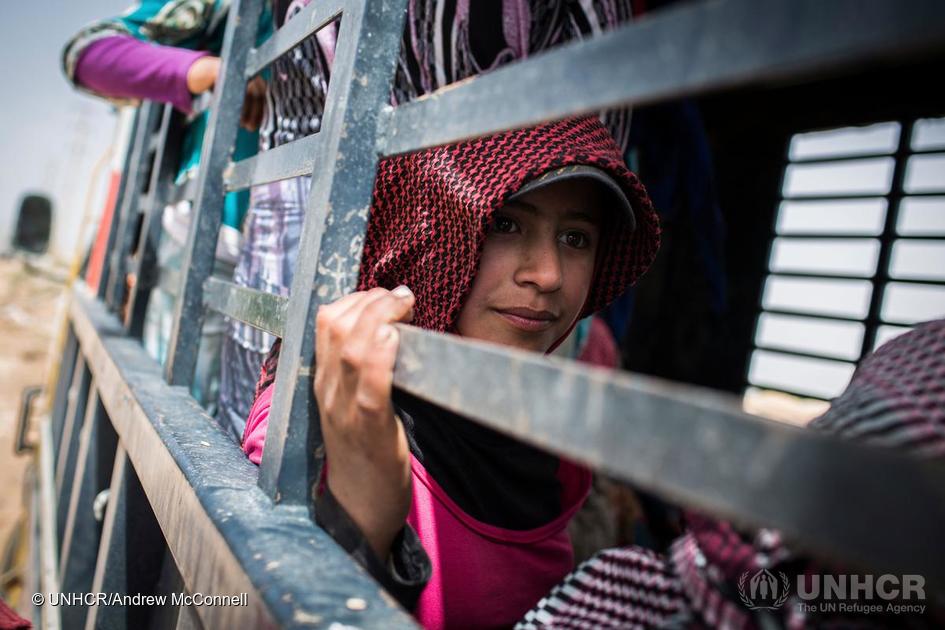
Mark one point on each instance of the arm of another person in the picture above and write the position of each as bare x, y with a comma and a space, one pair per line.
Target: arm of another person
121, 66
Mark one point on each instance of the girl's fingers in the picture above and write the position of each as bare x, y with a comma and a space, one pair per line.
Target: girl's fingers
393, 306
377, 376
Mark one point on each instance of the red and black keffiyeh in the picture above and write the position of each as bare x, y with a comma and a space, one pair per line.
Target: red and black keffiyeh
431, 210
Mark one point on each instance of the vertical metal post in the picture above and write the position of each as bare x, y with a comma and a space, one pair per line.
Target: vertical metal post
887, 239
130, 552
63, 385
162, 176
131, 156
218, 144
363, 71
76, 416
112, 288
81, 537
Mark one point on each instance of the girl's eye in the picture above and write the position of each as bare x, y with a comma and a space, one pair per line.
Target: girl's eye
503, 225
577, 240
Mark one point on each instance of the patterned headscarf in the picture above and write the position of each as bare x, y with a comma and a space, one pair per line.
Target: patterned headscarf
431, 210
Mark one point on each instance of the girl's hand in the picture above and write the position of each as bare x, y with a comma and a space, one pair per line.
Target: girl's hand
368, 455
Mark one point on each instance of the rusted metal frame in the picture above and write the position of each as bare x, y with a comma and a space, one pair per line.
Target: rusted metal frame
218, 144
310, 19
80, 541
262, 310
886, 240
139, 167
332, 235
282, 162
145, 260
47, 547
690, 49
225, 535
695, 447
60, 402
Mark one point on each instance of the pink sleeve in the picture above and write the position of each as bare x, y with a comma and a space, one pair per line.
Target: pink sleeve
124, 67
254, 435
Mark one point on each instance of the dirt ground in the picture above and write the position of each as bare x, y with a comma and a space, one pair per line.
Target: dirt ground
28, 307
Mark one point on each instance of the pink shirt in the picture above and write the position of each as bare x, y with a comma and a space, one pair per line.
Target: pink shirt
483, 576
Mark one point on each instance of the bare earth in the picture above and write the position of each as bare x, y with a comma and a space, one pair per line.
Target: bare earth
28, 306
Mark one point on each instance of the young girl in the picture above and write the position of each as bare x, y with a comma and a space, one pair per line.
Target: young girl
509, 239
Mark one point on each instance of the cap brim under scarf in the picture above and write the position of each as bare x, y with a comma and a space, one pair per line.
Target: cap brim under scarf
431, 212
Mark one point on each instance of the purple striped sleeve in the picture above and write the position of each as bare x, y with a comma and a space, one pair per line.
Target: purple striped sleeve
125, 67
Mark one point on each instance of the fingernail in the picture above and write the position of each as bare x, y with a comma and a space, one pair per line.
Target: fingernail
402, 291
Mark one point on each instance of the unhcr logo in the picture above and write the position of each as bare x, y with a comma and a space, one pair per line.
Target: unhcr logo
897, 594
762, 590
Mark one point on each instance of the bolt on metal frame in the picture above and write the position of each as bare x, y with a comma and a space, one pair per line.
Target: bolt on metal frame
230, 528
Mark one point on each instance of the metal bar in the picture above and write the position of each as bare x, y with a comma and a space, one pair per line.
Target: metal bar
218, 144
27, 396
854, 196
310, 19
804, 355
815, 275
865, 156
225, 534
111, 562
690, 49
73, 458
125, 188
814, 315
63, 386
186, 191
695, 447
75, 415
264, 311
881, 278
48, 552
81, 538
138, 168
852, 237
282, 162
145, 263
202, 103
341, 190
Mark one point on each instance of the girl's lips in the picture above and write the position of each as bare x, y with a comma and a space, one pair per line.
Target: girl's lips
530, 321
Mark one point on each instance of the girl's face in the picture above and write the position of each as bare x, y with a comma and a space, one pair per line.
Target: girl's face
536, 267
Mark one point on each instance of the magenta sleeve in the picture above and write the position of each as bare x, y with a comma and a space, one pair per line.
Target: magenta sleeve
125, 67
